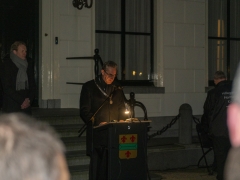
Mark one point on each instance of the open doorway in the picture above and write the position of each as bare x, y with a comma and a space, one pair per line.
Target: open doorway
19, 21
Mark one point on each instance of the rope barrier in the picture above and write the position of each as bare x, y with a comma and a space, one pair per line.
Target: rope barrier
165, 128
174, 120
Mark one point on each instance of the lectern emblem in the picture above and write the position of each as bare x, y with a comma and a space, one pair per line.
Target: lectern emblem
128, 146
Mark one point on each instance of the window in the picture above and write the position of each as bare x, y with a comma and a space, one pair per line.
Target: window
223, 37
124, 34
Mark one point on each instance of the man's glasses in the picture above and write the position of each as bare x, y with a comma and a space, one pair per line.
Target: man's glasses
110, 75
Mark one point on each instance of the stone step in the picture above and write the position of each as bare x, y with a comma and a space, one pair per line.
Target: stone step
74, 143
163, 153
161, 157
176, 156
68, 130
79, 172
61, 120
83, 175
58, 116
75, 158
48, 112
76, 154
79, 158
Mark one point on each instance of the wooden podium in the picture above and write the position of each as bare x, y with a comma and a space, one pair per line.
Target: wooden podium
126, 149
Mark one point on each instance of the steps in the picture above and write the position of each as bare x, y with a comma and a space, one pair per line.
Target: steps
67, 124
163, 153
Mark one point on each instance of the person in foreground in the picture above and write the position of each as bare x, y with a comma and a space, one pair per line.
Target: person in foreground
232, 168
102, 99
30, 150
17, 78
219, 101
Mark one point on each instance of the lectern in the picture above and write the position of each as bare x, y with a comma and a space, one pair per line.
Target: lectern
126, 149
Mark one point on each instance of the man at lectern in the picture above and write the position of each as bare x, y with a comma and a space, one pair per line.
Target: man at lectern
101, 101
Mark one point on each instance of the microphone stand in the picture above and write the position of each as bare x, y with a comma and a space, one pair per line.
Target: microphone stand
84, 127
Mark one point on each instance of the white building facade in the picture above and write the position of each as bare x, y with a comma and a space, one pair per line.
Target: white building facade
180, 46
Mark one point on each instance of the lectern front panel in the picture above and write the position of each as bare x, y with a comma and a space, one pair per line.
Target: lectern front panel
127, 150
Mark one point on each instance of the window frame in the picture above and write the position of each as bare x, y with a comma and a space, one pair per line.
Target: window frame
228, 39
123, 33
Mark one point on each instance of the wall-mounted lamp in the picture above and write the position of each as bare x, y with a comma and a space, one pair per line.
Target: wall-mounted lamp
80, 3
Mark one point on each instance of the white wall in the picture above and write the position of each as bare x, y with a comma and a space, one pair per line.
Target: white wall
184, 58
180, 54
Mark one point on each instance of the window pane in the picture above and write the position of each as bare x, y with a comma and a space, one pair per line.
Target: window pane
217, 21
137, 57
138, 16
234, 58
217, 57
130, 52
109, 48
108, 15
234, 18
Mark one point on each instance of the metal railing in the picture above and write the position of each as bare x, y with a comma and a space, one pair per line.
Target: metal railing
97, 59
165, 128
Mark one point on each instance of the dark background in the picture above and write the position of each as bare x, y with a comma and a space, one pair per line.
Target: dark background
19, 21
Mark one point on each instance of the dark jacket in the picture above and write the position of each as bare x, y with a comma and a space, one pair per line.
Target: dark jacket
91, 100
13, 99
207, 109
220, 99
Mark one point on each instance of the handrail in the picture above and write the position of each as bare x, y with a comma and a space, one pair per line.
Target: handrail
74, 83
96, 59
80, 57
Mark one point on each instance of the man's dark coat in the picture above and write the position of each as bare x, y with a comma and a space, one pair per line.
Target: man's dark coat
12, 99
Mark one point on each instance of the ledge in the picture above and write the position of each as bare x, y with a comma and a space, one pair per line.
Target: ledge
136, 89
144, 89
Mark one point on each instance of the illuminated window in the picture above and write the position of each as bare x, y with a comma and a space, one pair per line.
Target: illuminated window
223, 37
124, 34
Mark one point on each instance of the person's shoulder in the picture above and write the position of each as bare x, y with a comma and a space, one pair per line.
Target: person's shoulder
227, 84
6, 62
88, 86
211, 93
223, 87
89, 83
212, 90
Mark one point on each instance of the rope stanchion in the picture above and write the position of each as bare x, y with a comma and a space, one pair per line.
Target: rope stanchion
174, 120
165, 128
196, 120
